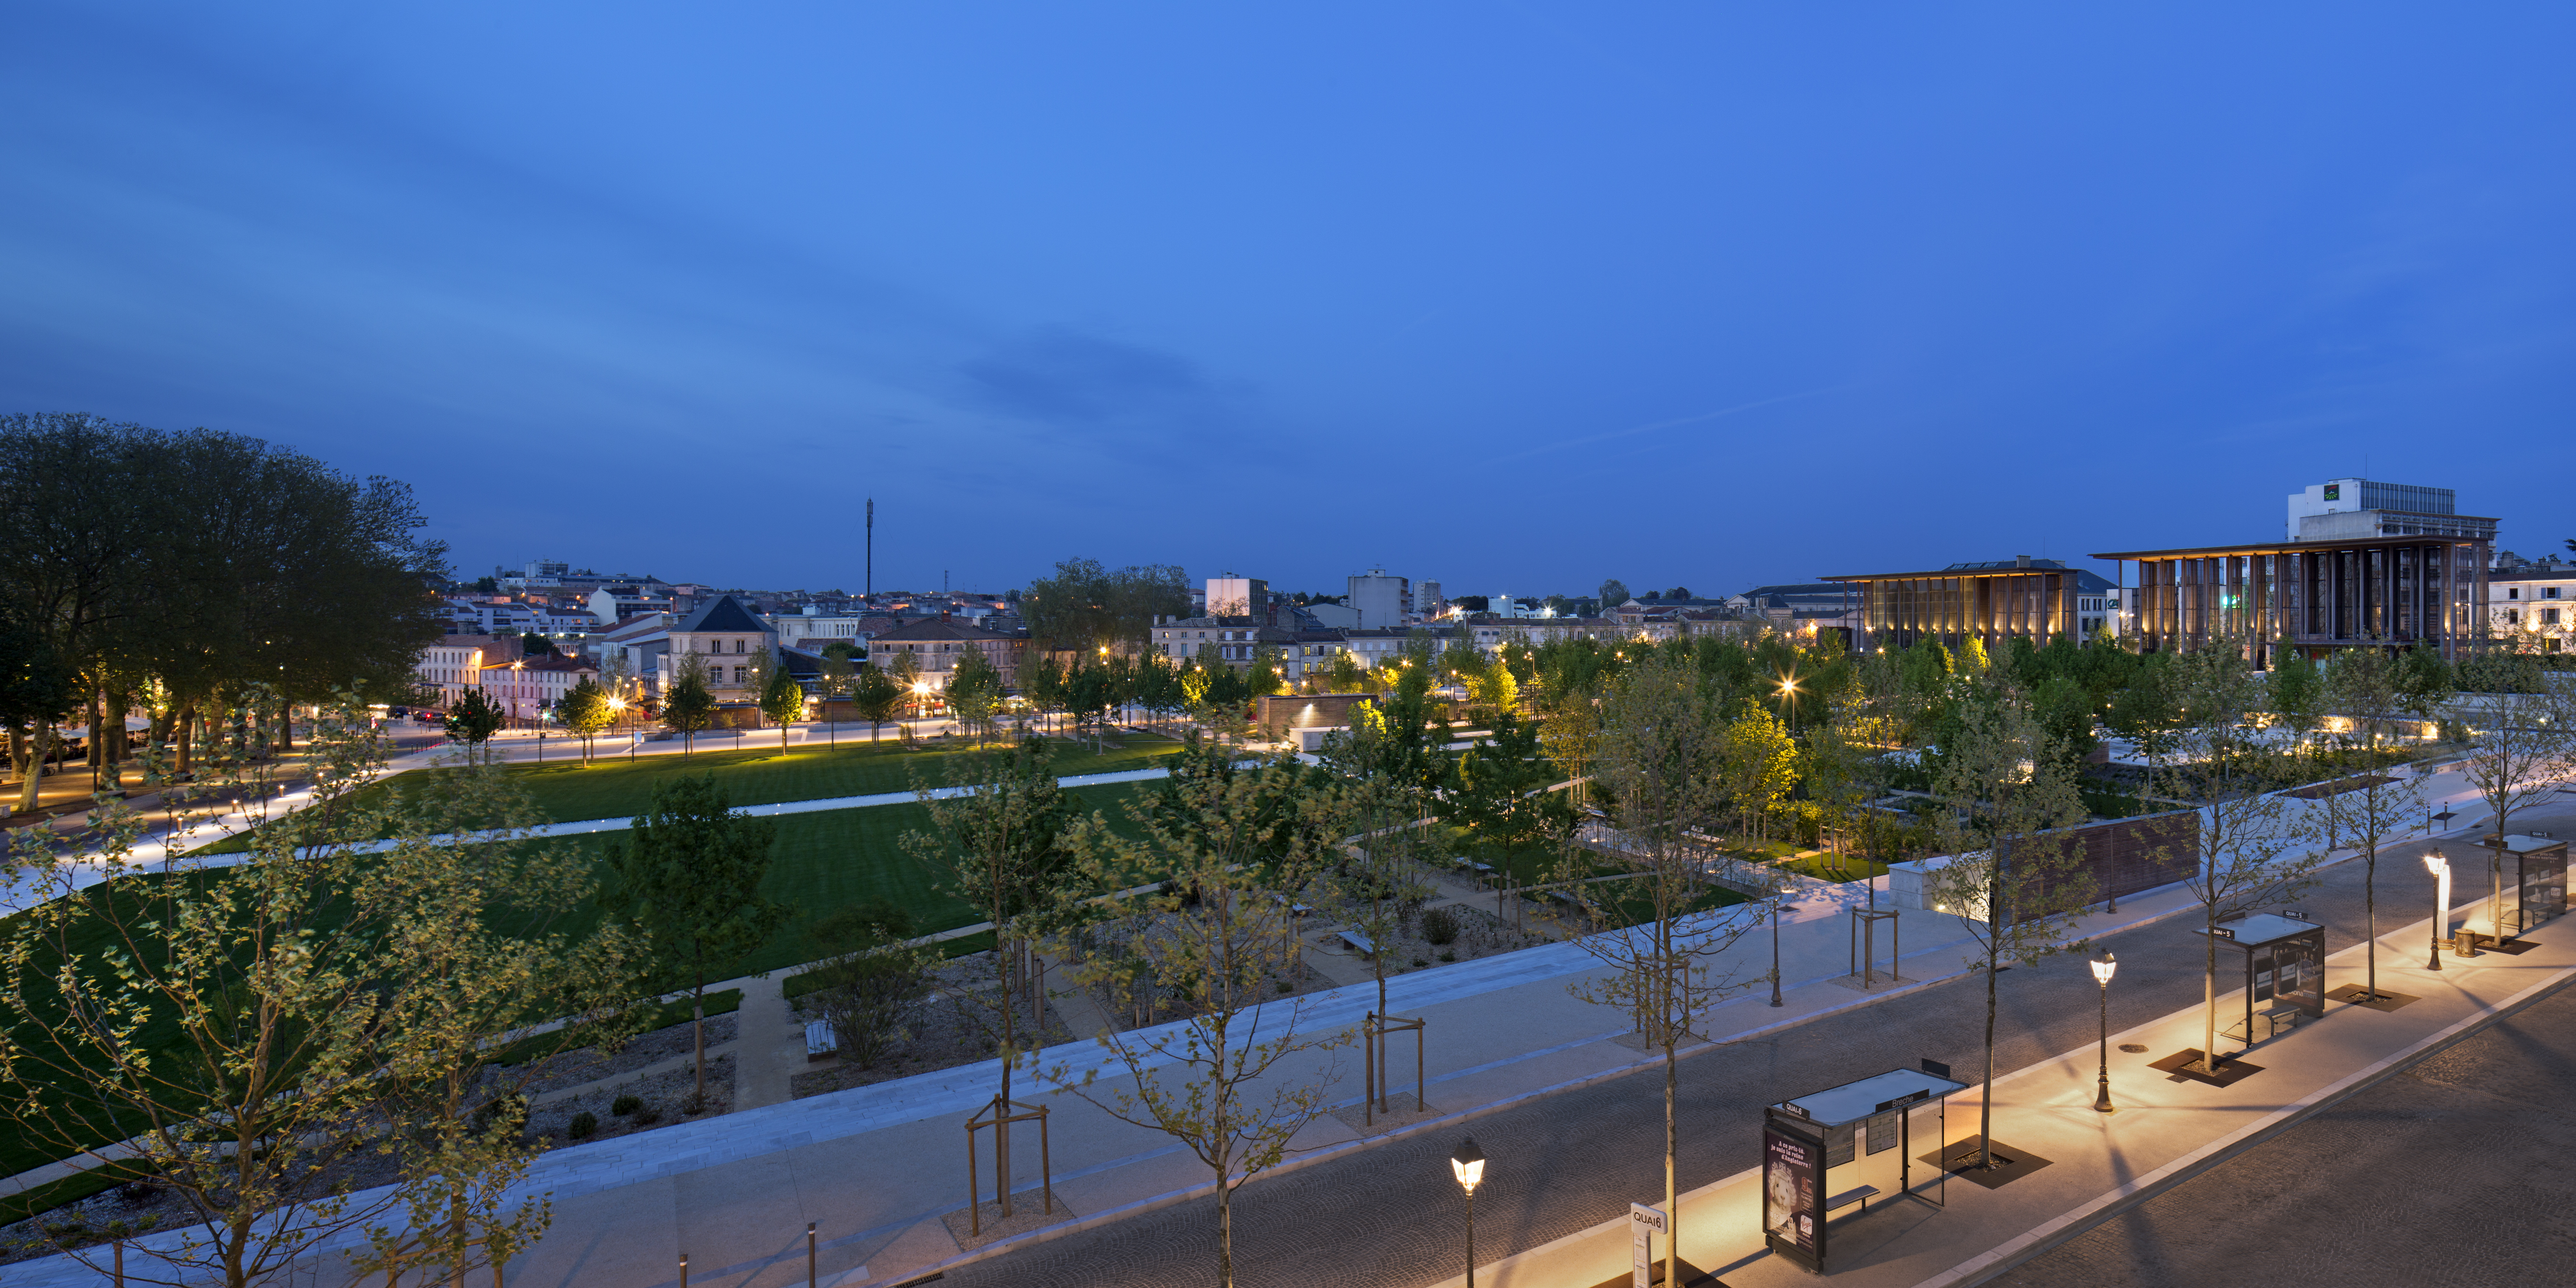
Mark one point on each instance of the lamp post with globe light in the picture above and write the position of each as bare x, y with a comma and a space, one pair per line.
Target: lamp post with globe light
1468, 1165
2102, 970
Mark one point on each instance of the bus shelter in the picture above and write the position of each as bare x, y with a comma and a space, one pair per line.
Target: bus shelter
1843, 1146
2537, 868
2285, 972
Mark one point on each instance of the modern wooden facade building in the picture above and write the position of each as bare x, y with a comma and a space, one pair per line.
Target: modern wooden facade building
2036, 599
2404, 592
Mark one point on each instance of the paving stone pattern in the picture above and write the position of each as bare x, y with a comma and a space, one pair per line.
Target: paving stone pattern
2451, 1173
1391, 1215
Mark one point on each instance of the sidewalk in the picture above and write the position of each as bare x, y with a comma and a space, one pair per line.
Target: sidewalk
2167, 1130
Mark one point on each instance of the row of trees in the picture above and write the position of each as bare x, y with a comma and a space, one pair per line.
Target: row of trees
175, 573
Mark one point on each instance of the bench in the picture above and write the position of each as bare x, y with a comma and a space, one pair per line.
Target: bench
1860, 1194
819, 1041
1358, 942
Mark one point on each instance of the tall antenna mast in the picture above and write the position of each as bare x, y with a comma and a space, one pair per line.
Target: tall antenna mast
869, 587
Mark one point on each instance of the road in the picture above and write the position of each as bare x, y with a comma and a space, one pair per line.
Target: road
1392, 1216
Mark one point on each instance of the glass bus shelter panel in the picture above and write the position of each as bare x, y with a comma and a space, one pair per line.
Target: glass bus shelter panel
1845, 1142
2285, 960
2539, 865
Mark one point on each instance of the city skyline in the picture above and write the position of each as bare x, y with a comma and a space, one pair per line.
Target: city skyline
1517, 300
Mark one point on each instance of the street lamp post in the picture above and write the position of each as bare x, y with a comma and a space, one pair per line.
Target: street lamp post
1468, 1164
2441, 869
1775, 943
2102, 969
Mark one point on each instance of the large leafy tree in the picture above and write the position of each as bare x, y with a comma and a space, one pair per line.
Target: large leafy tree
1085, 607
35, 691
687, 880
185, 568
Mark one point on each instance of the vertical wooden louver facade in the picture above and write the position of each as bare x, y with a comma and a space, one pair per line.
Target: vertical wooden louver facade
2400, 592
1990, 604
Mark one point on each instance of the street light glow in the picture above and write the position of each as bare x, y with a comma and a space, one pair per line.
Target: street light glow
2104, 967
1468, 1164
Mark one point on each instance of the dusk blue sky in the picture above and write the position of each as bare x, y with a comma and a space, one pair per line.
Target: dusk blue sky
1512, 296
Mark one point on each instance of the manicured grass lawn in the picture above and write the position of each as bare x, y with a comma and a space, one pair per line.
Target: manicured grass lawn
571, 792
1854, 868
821, 862
840, 857
766, 776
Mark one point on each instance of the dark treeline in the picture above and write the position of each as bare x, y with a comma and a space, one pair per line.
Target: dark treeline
197, 576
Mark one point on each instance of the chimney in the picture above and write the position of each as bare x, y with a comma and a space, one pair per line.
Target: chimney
943, 614
2021, 561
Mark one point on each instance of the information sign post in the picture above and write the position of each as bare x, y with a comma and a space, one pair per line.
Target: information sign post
1644, 1223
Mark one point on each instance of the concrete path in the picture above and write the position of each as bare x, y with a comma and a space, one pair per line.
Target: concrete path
768, 1041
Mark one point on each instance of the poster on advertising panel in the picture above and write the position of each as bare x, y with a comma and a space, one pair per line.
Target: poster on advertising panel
1792, 1189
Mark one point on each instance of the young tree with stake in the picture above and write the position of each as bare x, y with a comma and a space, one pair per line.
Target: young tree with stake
1662, 747
878, 699
2366, 683
2251, 839
2526, 743
2016, 879
472, 720
1216, 936
1001, 849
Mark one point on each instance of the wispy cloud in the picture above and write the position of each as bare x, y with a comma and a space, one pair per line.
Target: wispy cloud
1675, 423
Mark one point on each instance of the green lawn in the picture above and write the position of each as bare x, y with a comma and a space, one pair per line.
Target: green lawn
570, 792
839, 857
821, 862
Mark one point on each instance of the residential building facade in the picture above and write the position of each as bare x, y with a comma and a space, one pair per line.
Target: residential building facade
726, 635
937, 644
527, 688
2532, 605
